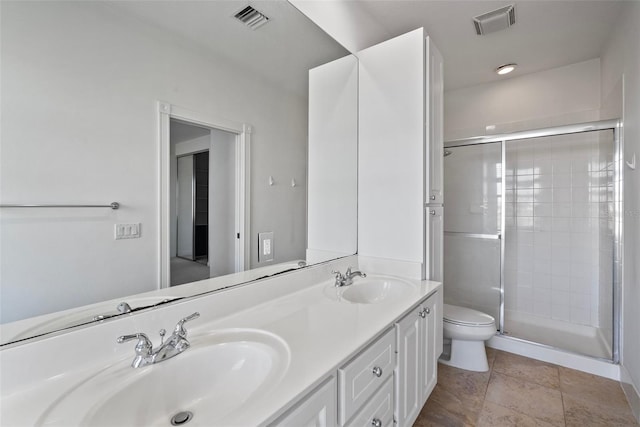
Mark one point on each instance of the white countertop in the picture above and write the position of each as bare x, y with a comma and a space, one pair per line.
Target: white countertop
321, 335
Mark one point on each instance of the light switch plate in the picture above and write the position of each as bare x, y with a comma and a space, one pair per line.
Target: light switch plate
265, 246
127, 231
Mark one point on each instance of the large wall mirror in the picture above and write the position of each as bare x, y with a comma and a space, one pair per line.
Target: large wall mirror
195, 122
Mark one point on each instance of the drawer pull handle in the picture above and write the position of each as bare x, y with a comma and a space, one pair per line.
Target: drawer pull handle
377, 371
432, 197
376, 423
427, 310
422, 314
432, 212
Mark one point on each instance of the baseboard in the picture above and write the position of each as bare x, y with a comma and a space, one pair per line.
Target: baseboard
630, 390
590, 365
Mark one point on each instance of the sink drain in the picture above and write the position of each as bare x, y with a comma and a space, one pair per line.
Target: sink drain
181, 418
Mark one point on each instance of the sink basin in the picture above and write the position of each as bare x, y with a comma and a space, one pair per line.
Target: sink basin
371, 290
219, 374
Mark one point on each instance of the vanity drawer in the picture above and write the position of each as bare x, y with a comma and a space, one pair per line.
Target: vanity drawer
379, 410
359, 379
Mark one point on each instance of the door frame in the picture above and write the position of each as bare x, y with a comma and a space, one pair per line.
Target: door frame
166, 112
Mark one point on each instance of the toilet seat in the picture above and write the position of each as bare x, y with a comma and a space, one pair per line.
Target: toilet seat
466, 316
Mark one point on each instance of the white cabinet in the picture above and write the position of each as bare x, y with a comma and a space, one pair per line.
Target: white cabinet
419, 340
317, 409
400, 147
434, 106
435, 239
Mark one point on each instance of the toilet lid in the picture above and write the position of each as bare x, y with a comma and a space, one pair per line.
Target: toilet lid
466, 316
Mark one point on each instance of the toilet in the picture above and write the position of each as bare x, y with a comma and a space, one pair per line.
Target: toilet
468, 330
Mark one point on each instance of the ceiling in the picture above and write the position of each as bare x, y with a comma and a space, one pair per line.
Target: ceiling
180, 131
282, 51
547, 34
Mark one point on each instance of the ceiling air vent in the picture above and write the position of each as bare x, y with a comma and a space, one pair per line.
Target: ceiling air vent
496, 20
251, 17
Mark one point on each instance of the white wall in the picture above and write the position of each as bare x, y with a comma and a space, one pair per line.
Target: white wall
621, 59
569, 94
87, 133
333, 160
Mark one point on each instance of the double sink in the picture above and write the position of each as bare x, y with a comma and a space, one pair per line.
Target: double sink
221, 372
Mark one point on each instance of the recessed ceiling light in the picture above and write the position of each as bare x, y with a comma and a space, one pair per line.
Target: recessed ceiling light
506, 69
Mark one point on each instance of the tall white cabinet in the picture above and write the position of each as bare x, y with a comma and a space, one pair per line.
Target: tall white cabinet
400, 152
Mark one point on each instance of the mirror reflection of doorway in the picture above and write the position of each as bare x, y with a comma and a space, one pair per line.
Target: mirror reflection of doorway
203, 202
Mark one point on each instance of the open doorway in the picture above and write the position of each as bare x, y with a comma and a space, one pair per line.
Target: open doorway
202, 201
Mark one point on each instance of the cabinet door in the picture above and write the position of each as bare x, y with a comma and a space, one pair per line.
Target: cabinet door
431, 342
435, 237
408, 374
434, 131
318, 409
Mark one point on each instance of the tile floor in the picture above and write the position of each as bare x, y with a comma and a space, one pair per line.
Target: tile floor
518, 391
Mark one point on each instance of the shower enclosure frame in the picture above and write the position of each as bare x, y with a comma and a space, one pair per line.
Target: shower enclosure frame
618, 150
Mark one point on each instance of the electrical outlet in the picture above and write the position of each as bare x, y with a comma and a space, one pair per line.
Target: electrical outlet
265, 246
127, 231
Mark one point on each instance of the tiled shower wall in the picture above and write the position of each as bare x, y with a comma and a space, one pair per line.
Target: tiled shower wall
557, 259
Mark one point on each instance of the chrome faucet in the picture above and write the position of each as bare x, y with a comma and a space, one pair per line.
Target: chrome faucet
174, 345
346, 279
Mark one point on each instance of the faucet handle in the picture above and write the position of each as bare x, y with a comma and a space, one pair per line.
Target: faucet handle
348, 272
180, 326
144, 345
337, 273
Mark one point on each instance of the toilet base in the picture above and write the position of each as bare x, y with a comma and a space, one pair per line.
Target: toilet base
469, 355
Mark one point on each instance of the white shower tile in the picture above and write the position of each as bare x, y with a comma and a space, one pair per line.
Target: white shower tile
525, 223
580, 225
543, 195
525, 195
561, 297
561, 253
561, 224
581, 316
543, 181
542, 224
562, 210
560, 283
560, 268
542, 252
541, 266
543, 209
561, 180
542, 280
581, 210
562, 195
561, 239
582, 194
525, 279
560, 312
524, 181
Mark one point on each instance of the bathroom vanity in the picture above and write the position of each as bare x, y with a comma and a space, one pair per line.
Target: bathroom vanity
289, 350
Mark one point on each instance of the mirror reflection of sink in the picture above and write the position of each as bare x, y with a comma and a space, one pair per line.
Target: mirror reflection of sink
92, 313
219, 374
370, 290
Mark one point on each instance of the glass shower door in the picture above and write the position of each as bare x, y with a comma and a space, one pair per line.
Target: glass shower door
472, 227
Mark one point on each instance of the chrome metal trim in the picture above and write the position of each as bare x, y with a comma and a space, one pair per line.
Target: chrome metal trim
503, 228
618, 236
112, 205
473, 235
535, 133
